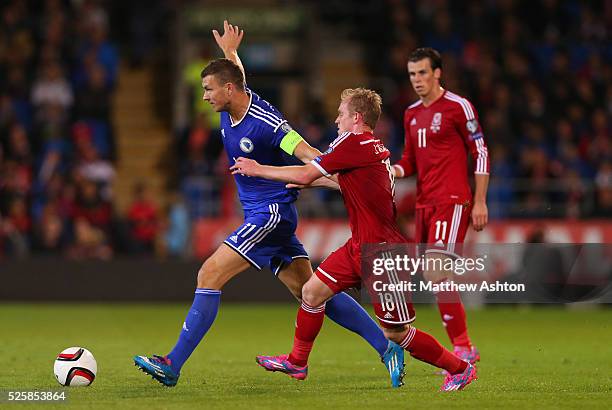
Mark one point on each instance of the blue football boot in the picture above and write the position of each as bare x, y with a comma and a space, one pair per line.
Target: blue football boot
393, 358
159, 369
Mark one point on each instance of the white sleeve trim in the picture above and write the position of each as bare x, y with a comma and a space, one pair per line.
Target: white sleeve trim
320, 168
368, 141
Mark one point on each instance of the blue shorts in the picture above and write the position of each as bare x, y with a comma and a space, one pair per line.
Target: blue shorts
267, 237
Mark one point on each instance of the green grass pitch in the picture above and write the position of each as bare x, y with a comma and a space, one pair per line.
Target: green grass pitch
532, 358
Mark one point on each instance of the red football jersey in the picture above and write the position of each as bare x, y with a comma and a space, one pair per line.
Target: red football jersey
437, 139
367, 184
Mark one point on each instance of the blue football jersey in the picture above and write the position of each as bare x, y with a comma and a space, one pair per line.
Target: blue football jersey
258, 135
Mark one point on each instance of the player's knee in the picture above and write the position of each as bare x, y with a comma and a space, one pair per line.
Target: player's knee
208, 275
311, 295
396, 333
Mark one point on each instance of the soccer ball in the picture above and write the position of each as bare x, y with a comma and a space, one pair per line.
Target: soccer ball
75, 366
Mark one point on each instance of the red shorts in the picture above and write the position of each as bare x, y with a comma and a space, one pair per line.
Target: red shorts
442, 227
341, 270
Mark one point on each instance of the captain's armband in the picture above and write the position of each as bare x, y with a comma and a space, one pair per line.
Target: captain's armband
290, 141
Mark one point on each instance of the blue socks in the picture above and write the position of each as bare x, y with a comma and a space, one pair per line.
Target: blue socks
199, 319
342, 309
345, 311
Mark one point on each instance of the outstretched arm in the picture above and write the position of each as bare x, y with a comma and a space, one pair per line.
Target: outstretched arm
229, 43
301, 174
322, 182
306, 153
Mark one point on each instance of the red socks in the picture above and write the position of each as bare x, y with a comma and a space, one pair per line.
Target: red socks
307, 326
425, 348
453, 317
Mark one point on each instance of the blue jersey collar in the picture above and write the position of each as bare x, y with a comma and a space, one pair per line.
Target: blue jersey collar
234, 124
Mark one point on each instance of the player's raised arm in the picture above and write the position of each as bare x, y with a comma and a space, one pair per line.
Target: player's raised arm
229, 43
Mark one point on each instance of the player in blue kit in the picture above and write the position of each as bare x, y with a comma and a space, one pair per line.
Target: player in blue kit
253, 128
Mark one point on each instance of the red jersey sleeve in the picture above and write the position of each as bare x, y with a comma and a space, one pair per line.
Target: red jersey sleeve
407, 162
348, 153
471, 131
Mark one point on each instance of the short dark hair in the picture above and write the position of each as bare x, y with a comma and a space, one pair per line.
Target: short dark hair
226, 71
427, 52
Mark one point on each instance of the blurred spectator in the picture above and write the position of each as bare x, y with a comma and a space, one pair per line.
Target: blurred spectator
15, 180
50, 233
95, 169
501, 194
143, 220
201, 147
18, 218
175, 228
202, 165
52, 88
3, 247
201, 110
90, 207
90, 242
603, 183
93, 99
97, 49
51, 128
443, 37
51, 165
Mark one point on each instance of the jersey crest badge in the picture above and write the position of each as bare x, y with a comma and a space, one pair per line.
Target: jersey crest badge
436, 122
380, 148
246, 145
413, 122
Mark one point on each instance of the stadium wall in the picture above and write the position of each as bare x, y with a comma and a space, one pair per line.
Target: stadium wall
147, 279
56, 279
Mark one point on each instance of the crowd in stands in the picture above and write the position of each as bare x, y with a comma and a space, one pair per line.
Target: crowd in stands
58, 72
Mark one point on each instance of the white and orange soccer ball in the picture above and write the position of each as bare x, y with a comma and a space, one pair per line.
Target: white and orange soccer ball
75, 366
